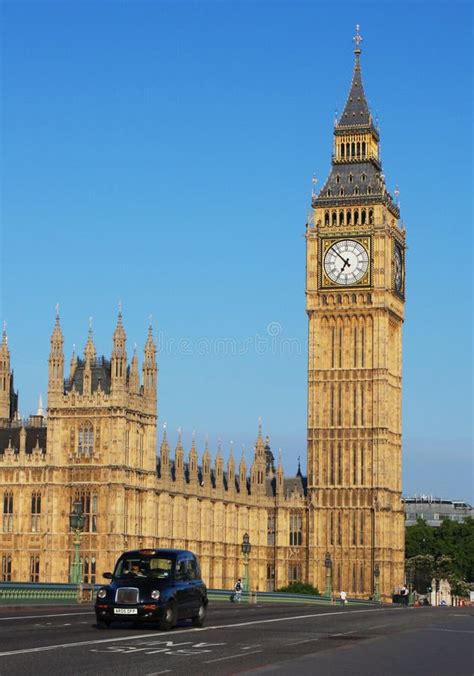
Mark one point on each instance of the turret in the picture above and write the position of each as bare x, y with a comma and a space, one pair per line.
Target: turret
5, 380
219, 468
164, 456
56, 361
206, 466
73, 364
134, 378
193, 463
279, 475
231, 469
243, 474
149, 367
118, 362
90, 357
257, 472
179, 460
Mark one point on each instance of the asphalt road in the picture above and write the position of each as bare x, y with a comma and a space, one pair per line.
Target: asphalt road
243, 639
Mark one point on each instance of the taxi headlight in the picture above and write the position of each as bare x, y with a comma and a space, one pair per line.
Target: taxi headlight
102, 593
155, 594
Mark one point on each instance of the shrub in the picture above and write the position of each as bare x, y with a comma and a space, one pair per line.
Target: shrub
299, 588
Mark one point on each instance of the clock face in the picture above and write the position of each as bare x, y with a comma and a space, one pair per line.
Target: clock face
397, 269
346, 262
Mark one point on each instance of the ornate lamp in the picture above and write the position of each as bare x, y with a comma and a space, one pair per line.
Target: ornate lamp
246, 549
376, 583
328, 566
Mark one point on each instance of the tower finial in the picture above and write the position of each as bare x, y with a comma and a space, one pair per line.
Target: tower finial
4, 333
260, 426
357, 38
90, 325
120, 308
57, 311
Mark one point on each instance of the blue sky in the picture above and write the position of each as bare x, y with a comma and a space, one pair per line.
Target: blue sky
161, 154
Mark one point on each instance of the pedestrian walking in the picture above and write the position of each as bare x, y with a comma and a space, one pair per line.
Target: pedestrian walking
238, 591
343, 597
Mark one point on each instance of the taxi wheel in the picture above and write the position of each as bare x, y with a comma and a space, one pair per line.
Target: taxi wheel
103, 624
198, 620
170, 617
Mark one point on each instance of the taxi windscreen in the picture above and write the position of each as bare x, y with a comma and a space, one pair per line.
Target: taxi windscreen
156, 567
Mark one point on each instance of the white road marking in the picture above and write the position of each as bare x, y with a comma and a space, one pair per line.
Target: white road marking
180, 631
155, 673
454, 631
376, 626
40, 617
307, 640
232, 657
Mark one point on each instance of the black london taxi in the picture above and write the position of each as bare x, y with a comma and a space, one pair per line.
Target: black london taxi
153, 585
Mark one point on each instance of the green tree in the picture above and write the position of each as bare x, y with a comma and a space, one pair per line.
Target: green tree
420, 540
446, 552
456, 540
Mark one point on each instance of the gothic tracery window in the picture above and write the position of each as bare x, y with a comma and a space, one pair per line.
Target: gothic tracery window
294, 572
8, 512
296, 529
271, 529
85, 442
6, 572
35, 511
34, 568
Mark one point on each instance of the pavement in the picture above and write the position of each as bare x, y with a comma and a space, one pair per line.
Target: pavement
243, 638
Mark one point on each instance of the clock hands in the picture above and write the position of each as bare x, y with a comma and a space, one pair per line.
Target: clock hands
344, 260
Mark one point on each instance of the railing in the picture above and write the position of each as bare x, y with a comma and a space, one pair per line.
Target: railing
13, 593
283, 597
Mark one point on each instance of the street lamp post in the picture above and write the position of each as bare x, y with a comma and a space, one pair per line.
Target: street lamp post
328, 566
376, 583
76, 523
246, 548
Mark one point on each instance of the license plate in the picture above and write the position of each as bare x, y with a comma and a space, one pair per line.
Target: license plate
125, 611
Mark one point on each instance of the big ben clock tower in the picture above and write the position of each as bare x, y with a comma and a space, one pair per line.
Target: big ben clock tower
355, 289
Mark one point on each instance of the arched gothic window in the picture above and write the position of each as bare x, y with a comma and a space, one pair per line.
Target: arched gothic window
8, 512
35, 512
85, 442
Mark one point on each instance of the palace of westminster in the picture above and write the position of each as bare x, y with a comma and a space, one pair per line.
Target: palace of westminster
97, 444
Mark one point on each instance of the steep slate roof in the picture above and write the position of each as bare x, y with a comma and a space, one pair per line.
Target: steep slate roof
297, 483
34, 436
356, 112
100, 372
